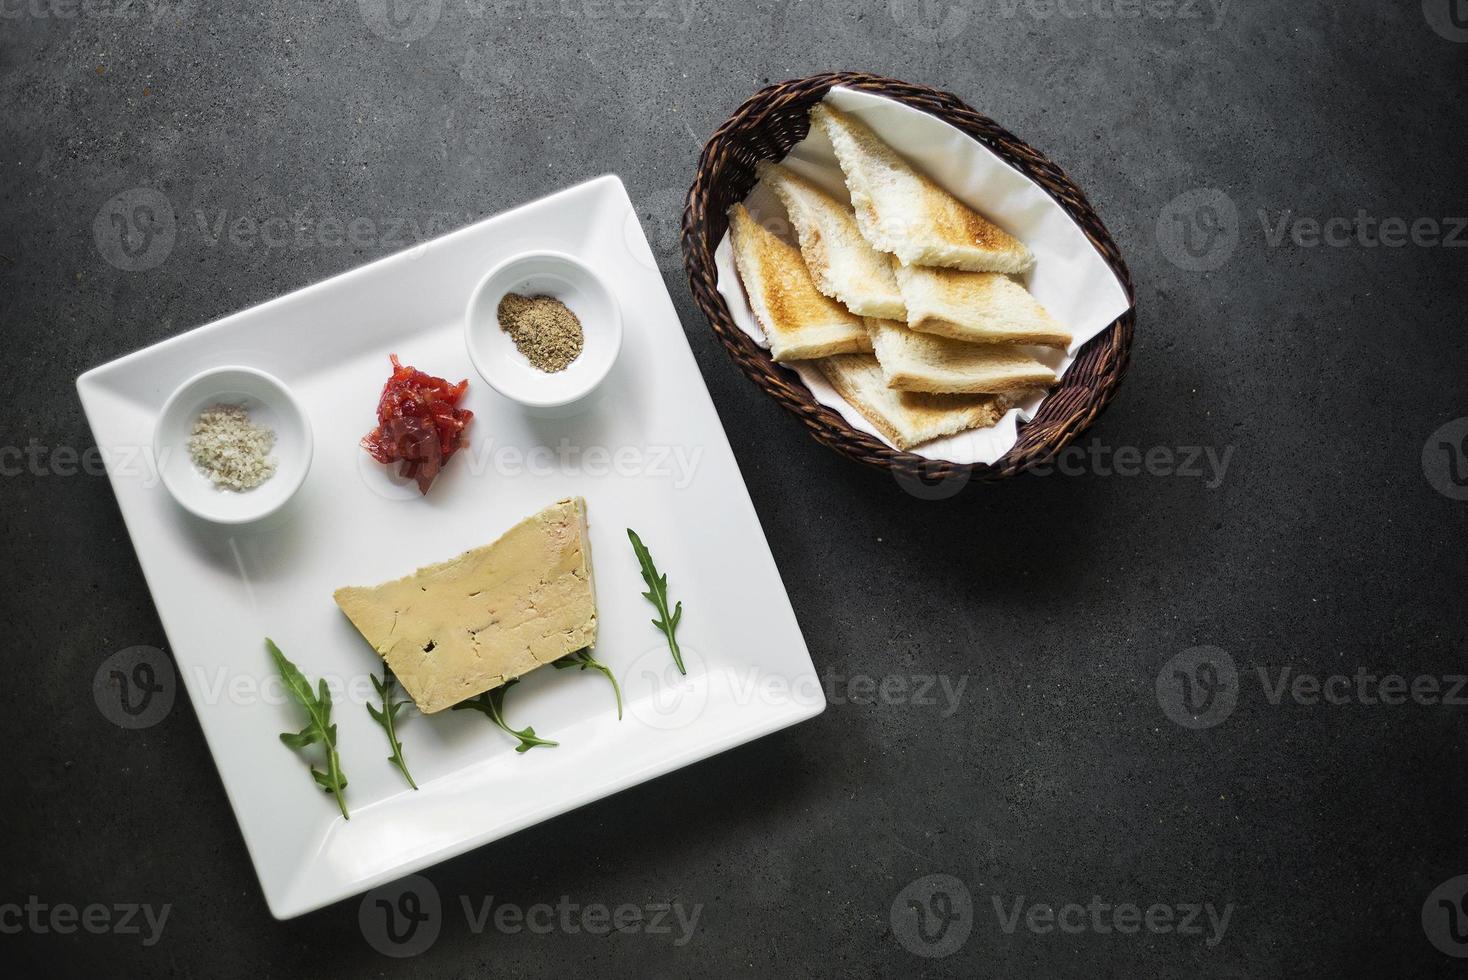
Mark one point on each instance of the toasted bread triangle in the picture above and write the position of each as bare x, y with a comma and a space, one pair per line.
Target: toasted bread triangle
913, 361
977, 307
908, 418
842, 262
904, 212
799, 320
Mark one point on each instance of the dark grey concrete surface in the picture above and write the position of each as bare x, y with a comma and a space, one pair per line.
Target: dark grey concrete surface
1322, 373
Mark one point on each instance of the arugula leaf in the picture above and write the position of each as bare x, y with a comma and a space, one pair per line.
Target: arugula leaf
492, 704
581, 660
318, 729
387, 718
657, 594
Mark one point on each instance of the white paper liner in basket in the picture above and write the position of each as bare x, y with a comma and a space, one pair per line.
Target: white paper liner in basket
1070, 278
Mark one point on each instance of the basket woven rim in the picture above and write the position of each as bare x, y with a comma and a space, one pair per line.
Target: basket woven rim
1088, 385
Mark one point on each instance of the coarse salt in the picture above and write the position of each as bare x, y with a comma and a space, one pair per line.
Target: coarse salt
232, 451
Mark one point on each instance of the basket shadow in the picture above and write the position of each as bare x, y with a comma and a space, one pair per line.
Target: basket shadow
1024, 544
1025, 537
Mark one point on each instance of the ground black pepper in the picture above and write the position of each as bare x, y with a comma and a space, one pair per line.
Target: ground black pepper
543, 329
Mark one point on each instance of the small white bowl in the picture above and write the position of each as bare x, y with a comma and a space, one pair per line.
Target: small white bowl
502, 365
270, 404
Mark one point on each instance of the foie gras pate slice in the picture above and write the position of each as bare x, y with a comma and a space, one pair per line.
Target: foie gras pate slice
459, 628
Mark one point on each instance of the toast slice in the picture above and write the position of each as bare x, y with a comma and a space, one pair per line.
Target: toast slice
842, 263
908, 418
977, 307
799, 321
904, 212
913, 361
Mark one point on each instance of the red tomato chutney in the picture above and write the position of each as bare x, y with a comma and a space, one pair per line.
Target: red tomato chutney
419, 423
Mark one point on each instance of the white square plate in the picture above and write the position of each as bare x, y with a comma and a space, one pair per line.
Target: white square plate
647, 452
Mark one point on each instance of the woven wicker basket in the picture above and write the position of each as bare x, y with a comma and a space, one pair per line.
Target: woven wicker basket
766, 127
